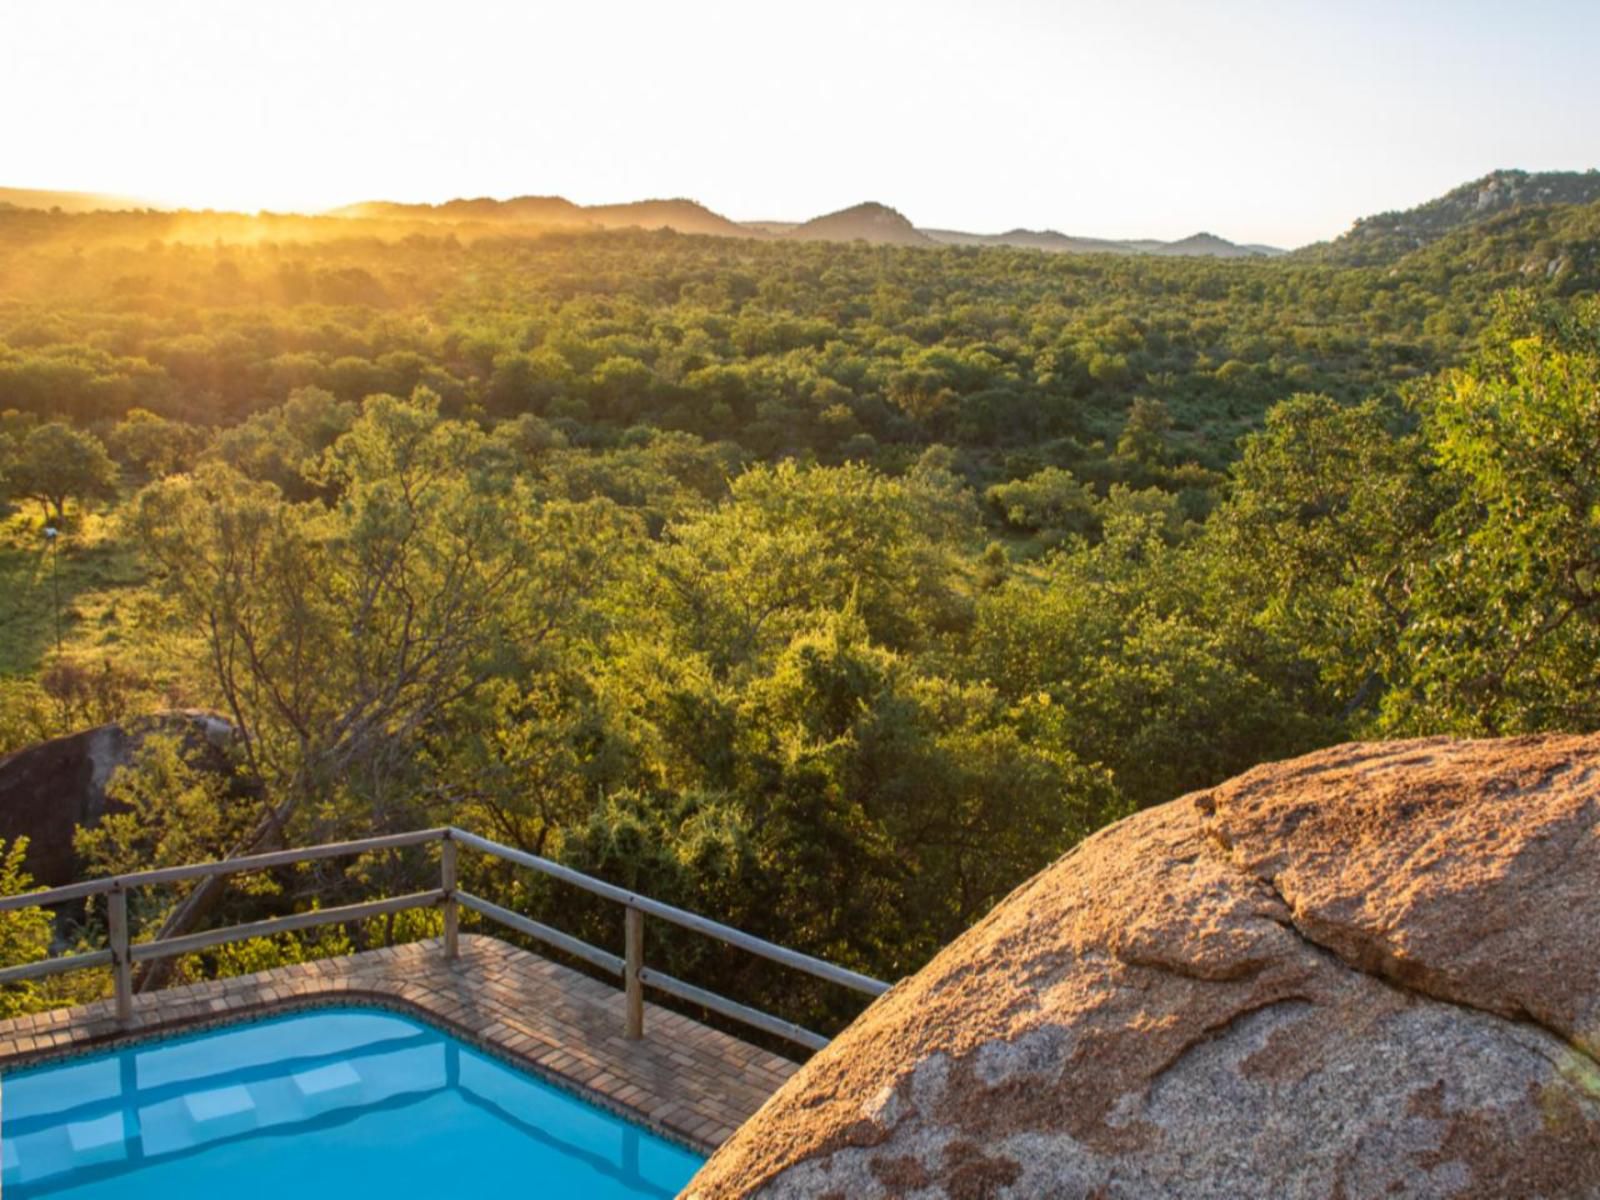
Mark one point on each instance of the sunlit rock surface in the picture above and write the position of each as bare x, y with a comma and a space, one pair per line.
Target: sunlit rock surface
1371, 971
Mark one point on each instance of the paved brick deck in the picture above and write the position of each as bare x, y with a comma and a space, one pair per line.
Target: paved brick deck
685, 1080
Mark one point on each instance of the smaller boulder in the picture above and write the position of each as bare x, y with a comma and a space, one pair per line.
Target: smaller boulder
48, 790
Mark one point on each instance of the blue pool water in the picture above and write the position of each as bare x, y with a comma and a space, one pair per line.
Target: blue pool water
343, 1103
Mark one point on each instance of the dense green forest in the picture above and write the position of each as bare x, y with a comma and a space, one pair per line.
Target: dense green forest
830, 590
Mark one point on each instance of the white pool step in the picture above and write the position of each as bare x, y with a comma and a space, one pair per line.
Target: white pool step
323, 1081
325, 1088
221, 1111
101, 1140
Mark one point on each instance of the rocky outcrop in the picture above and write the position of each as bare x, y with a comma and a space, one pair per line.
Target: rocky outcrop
1387, 237
48, 790
1371, 971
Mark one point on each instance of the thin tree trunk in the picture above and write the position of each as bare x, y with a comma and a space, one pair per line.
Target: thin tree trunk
198, 904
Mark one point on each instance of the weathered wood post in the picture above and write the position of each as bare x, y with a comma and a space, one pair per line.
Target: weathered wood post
633, 963
121, 962
447, 884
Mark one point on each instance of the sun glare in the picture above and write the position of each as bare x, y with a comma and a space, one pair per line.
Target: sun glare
245, 195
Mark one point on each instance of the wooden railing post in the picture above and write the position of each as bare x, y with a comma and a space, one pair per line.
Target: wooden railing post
452, 911
633, 963
121, 960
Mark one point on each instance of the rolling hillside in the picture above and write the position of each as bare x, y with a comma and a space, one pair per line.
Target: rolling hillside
1387, 237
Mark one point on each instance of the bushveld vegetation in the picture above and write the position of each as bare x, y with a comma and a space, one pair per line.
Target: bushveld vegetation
830, 590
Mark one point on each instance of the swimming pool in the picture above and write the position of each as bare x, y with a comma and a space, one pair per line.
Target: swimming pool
333, 1102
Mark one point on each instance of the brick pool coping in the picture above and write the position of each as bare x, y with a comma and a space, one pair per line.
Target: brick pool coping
693, 1084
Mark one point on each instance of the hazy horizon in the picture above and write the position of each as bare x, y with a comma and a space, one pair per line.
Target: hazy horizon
1276, 123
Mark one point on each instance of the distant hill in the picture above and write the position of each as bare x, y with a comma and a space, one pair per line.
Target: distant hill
73, 202
1553, 245
1030, 239
543, 210
685, 216
770, 228
1206, 244
1509, 228
1052, 242
870, 222
1385, 238
1389, 236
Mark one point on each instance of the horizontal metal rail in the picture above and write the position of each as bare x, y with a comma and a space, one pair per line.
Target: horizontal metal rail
679, 916
663, 982
56, 966
167, 947
226, 866
592, 955
121, 954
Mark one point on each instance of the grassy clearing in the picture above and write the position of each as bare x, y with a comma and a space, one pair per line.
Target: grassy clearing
87, 599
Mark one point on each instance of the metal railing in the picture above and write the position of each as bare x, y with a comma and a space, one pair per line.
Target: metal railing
121, 954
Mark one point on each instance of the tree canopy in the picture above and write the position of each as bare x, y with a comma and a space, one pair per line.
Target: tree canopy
829, 590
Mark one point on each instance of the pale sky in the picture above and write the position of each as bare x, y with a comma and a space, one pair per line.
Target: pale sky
1274, 121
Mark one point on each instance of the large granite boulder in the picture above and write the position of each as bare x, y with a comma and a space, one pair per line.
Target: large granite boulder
1371, 971
49, 789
